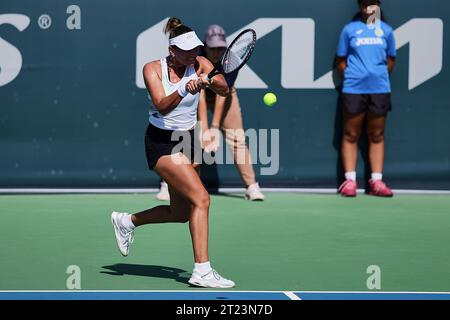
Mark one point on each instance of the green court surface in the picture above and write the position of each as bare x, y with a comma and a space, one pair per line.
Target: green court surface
289, 242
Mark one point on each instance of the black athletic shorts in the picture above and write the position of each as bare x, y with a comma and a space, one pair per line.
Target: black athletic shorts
379, 104
158, 143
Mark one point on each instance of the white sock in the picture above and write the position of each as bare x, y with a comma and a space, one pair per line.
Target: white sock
350, 175
127, 223
202, 268
377, 176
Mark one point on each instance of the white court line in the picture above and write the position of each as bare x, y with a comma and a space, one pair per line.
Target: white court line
377, 292
223, 291
292, 295
150, 291
221, 190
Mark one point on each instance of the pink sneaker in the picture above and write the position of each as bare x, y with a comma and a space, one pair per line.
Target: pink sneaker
348, 188
380, 189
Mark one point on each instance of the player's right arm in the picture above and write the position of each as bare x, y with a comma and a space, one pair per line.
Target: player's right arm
152, 78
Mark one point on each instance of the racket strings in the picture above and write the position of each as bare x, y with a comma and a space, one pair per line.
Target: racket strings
238, 52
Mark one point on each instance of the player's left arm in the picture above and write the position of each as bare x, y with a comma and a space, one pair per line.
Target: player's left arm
216, 84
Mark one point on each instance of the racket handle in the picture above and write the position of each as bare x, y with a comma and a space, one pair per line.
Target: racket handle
209, 79
211, 74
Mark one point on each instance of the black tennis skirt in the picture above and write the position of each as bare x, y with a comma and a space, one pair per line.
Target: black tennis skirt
158, 143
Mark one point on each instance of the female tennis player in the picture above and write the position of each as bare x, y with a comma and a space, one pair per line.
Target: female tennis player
366, 56
227, 117
174, 84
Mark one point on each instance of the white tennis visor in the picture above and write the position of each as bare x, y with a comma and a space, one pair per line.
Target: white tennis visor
186, 41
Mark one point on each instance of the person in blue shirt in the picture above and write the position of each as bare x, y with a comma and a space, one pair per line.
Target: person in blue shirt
366, 57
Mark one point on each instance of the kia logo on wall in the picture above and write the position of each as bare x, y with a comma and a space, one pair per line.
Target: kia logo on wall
424, 36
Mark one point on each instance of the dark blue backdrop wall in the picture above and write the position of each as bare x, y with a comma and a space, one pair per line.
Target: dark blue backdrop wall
73, 111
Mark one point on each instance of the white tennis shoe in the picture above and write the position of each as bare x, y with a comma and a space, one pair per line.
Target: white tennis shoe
253, 193
210, 280
124, 237
163, 194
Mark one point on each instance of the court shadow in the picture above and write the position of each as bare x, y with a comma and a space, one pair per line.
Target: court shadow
151, 271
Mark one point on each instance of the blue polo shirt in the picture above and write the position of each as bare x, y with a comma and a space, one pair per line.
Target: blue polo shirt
366, 49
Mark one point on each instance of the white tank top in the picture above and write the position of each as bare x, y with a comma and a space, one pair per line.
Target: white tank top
184, 116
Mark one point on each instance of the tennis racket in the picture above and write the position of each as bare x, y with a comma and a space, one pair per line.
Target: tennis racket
237, 54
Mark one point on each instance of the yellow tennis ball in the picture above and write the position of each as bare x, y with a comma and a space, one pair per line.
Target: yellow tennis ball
270, 99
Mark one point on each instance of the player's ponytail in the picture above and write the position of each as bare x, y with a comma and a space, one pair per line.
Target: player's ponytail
171, 24
175, 27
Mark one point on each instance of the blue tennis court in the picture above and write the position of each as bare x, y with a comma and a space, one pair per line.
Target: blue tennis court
219, 295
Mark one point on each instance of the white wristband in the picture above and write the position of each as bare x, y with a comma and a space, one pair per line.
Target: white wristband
182, 90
